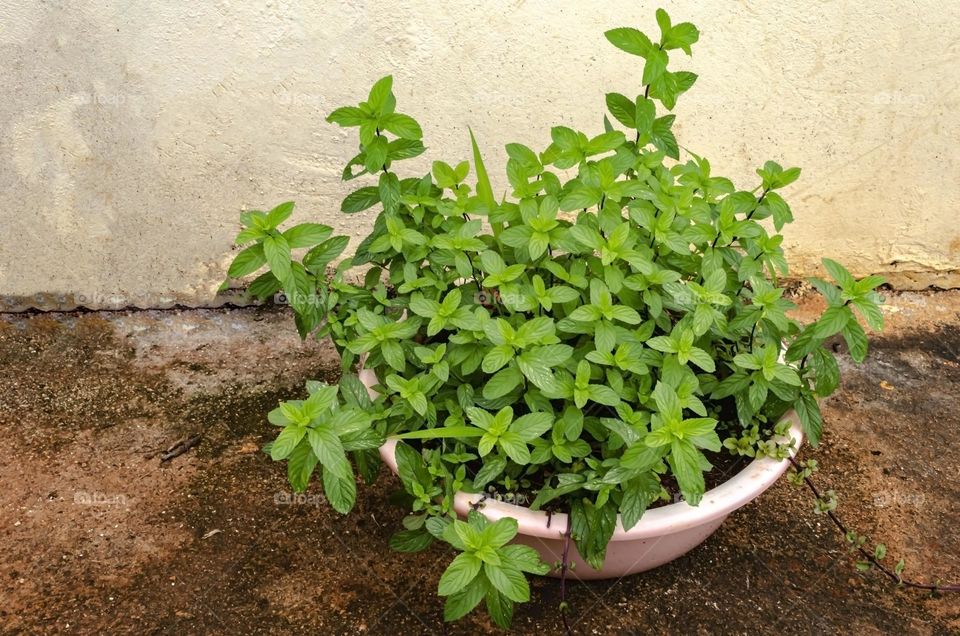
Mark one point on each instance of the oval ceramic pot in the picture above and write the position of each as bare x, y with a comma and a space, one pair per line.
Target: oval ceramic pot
661, 535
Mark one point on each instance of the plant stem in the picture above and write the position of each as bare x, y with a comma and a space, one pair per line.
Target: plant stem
893, 576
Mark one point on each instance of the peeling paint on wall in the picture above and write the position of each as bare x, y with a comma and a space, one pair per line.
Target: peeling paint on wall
132, 134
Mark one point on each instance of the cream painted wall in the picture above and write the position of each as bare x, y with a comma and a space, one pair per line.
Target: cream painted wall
133, 132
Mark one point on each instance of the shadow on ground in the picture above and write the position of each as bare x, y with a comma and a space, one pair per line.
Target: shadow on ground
96, 536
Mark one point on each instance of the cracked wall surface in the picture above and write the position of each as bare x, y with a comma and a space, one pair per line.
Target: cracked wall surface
132, 134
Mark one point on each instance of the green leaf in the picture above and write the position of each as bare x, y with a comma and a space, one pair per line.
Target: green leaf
380, 93
662, 343
401, 125
286, 441
341, 491
500, 608
393, 353
375, 154
361, 199
663, 21
307, 234
458, 574
462, 603
443, 174
300, 465
410, 467
810, 418
247, 262
630, 40
685, 461
702, 359
827, 372
868, 283
509, 580
346, 116
279, 214
497, 358
591, 527
641, 456
603, 395
758, 391
328, 449
264, 286
656, 65
833, 320
532, 425
411, 541
277, 251
484, 189
515, 448
565, 138
831, 293
492, 468
681, 36
623, 109
321, 255
586, 313
626, 314
605, 142
870, 312
839, 273
856, 341
646, 113
405, 149
787, 177
662, 136
524, 156
581, 197
668, 404
503, 382
500, 532
636, 499
389, 191
786, 375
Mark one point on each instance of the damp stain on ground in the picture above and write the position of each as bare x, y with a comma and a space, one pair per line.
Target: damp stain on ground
98, 536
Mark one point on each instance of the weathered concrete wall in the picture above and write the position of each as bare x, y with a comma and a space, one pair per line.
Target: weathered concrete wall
132, 133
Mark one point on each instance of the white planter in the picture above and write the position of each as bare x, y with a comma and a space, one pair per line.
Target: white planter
661, 535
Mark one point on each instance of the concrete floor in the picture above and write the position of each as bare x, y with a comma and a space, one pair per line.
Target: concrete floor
97, 536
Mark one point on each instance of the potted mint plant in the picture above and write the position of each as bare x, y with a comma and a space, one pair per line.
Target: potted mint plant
548, 371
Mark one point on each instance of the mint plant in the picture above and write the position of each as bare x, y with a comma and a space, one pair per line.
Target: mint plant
615, 319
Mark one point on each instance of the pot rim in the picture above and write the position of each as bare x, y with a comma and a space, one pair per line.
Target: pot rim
745, 486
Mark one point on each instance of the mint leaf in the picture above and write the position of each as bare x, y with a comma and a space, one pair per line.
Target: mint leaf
459, 573
630, 40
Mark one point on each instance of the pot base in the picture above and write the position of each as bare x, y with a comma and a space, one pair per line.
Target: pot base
623, 557
661, 535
